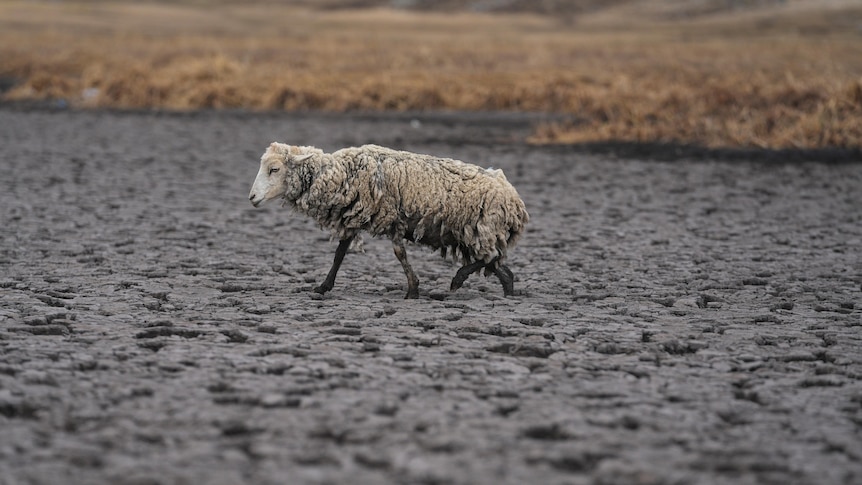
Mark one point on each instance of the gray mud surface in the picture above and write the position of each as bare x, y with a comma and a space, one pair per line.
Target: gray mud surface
675, 322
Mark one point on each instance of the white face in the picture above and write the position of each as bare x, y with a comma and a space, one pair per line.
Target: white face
270, 181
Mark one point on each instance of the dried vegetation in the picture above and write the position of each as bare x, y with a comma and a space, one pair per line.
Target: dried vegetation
770, 76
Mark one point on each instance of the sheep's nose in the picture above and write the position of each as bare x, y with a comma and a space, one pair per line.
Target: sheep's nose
251, 197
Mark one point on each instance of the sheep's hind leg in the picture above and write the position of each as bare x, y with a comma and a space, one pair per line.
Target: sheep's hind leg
329, 282
412, 280
507, 279
464, 273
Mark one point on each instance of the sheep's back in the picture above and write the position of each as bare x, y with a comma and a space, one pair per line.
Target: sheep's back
439, 202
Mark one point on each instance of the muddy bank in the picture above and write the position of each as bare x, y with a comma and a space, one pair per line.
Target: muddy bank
686, 321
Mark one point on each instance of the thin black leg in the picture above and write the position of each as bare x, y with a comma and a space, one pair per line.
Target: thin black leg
329, 282
465, 272
507, 279
412, 280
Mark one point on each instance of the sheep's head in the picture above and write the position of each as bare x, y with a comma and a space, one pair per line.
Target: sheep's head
280, 174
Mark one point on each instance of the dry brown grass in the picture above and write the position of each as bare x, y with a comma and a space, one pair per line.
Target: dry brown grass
781, 78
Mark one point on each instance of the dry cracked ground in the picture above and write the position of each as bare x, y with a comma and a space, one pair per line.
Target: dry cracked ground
691, 321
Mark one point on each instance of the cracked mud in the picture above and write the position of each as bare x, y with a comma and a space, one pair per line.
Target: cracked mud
685, 322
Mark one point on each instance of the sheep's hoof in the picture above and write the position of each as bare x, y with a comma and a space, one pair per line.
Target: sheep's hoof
455, 284
322, 289
412, 294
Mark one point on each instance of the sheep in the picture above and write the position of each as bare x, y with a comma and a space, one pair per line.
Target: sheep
441, 203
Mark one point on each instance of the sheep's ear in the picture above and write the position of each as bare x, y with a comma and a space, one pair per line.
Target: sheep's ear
301, 158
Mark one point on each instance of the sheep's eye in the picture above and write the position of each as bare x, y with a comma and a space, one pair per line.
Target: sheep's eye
273, 170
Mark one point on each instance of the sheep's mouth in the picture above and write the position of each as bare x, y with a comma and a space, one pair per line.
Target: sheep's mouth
257, 202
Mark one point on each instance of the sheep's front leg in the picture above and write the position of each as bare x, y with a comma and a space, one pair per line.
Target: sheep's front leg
329, 282
464, 273
412, 280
